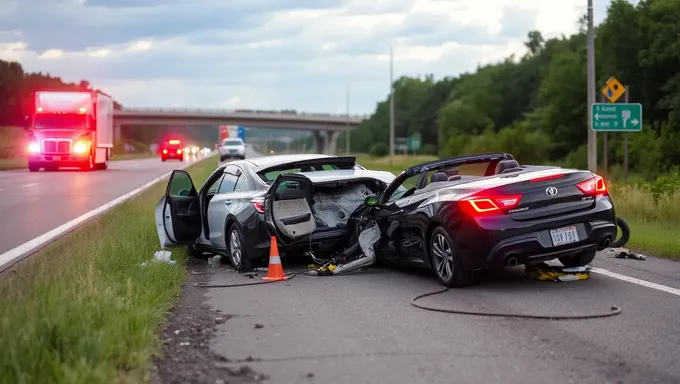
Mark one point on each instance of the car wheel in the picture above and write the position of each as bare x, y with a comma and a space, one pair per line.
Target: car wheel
238, 256
580, 259
445, 262
33, 168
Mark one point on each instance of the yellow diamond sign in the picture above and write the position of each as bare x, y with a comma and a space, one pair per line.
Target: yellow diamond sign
613, 90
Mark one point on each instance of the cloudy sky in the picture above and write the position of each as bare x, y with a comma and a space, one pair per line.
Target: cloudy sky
268, 54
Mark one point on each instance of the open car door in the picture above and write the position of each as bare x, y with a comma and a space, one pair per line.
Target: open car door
178, 215
288, 210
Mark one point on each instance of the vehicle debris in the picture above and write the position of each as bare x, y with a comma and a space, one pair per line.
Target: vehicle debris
163, 256
357, 257
547, 272
624, 253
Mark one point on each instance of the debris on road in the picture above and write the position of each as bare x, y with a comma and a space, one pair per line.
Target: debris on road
623, 253
547, 272
259, 326
162, 256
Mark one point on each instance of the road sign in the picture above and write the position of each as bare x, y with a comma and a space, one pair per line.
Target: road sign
613, 90
617, 117
414, 142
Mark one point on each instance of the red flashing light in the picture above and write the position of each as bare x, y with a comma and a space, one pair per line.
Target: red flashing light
173, 142
492, 204
258, 204
593, 186
544, 178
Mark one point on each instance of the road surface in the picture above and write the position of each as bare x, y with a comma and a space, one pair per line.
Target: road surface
361, 328
32, 204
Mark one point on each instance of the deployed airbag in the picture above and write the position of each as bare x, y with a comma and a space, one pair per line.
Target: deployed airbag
333, 209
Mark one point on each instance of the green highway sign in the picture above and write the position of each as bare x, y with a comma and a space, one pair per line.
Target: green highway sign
414, 142
617, 117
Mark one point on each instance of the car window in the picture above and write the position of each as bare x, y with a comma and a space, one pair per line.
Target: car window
228, 183
242, 184
213, 187
408, 185
180, 185
232, 142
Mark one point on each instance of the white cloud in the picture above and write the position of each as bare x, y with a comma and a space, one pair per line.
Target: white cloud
269, 54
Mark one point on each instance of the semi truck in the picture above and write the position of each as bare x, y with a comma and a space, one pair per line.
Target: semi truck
70, 129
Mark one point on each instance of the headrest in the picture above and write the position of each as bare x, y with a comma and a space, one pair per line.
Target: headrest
455, 177
438, 176
506, 164
452, 172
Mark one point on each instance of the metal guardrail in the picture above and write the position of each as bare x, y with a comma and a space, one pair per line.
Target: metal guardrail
208, 111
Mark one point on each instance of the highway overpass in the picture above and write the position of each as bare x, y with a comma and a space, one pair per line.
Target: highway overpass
325, 127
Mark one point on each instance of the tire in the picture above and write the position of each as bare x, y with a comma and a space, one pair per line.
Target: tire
441, 252
238, 256
625, 234
163, 159
89, 165
580, 259
33, 168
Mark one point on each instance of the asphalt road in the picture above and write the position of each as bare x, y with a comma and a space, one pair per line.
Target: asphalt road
32, 204
361, 328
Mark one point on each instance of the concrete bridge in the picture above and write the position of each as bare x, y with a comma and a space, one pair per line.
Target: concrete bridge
325, 127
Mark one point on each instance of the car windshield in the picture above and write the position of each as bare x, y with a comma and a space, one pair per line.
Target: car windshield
232, 142
60, 121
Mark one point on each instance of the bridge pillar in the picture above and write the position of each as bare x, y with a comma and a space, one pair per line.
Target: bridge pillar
332, 142
320, 141
117, 133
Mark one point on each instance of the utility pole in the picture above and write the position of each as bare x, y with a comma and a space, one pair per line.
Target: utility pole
592, 137
347, 132
391, 104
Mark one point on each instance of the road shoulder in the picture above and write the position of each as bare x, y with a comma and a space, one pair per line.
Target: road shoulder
192, 324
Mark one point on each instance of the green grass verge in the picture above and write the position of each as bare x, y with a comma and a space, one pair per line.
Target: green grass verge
83, 310
653, 222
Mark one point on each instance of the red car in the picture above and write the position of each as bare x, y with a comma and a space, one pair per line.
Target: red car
172, 149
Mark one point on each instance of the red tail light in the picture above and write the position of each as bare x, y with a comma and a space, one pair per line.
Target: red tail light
544, 178
258, 204
480, 205
594, 186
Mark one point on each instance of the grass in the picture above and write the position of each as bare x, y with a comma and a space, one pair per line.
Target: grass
654, 220
83, 310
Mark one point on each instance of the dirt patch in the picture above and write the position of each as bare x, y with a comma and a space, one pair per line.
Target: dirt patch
187, 357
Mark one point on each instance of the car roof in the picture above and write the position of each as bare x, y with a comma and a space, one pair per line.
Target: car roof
259, 163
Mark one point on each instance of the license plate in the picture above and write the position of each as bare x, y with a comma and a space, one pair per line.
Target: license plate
566, 235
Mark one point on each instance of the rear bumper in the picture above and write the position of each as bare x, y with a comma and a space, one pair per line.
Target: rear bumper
177, 156
65, 161
492, 243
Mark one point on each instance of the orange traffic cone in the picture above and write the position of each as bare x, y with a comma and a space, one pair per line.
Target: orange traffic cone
275, 270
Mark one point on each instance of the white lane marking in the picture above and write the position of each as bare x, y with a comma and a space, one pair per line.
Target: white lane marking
28, 185
644, 283
40, 241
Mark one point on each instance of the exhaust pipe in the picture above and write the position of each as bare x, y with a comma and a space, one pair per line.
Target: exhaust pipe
512, 262
607, 242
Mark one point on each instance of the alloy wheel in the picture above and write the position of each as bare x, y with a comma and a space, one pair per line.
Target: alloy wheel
235, 248
442, 256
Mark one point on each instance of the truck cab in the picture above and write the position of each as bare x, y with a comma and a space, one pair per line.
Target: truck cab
70, 129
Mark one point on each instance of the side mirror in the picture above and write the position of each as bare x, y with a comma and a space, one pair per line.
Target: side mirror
371, 201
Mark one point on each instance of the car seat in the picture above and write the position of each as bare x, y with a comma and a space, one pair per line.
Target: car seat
507, 166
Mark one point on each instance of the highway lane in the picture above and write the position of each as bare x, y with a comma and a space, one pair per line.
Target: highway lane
361, 328
32, 204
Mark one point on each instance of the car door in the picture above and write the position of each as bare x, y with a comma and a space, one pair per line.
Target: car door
288, 210
178, 215
390, 213
221, 205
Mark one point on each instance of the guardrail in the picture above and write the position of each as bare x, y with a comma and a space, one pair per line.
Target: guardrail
208, 111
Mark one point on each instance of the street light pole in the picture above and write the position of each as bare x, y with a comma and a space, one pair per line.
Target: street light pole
592, 137
391, 104
347, 132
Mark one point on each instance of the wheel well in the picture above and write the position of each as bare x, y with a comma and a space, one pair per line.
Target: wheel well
428, 238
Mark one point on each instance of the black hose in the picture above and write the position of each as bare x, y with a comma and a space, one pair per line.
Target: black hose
614, 311
625, 234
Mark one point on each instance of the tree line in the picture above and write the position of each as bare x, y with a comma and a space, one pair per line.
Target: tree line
535, 106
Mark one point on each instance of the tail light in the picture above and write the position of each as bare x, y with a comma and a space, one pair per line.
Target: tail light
165, 151
490, 204
258, 204
179, 151
593, 186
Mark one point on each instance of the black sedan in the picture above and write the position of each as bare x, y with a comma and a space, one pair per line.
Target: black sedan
244, 202
469, 213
